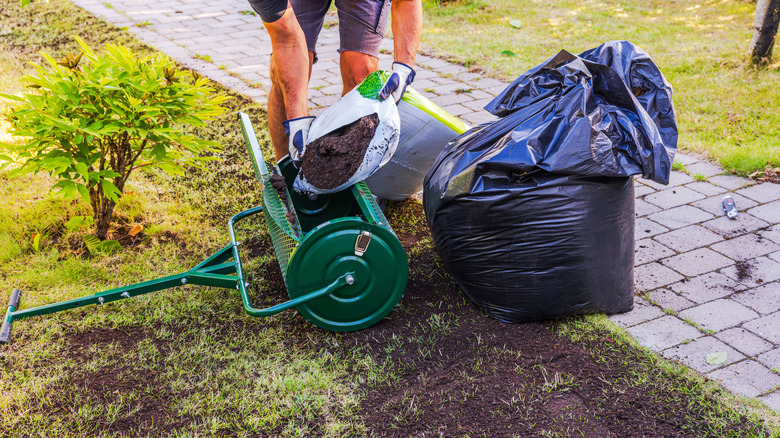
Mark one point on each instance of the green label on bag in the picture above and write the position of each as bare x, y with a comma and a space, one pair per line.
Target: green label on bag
371, 85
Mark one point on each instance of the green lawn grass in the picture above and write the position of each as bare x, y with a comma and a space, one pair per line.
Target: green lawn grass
187, 361
215, 370
725, 109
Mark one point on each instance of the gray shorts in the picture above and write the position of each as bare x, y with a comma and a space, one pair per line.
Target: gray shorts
269, 10
362, 23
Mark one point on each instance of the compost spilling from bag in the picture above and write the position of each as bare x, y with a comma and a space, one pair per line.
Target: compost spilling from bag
350, 140
533, 214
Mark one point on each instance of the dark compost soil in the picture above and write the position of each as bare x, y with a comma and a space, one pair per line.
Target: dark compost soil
278, 183
454, 371
333, 158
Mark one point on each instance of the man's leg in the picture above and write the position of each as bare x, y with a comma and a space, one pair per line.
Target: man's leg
290, 71
355, 67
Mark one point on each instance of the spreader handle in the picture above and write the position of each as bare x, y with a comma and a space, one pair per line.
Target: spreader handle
13, 303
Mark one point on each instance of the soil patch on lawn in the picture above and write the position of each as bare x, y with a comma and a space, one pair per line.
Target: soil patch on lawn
457, 372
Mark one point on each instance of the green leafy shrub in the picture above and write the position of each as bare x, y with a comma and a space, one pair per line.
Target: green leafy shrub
92, 123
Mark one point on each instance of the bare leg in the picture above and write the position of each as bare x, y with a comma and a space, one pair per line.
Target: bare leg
355, 66
290, 71
407, 28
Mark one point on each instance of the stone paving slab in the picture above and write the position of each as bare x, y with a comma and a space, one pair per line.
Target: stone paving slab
694, 354
763, 299
707, 287
680, 224
681, 216
763, 193
719, 315
744, 341
668, 300
729, 228
664, 332
768, 327
688, 238
747, 377
770, 359
755, 272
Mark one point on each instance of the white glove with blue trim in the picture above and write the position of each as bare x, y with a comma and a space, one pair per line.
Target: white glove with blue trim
401, 76
297, 130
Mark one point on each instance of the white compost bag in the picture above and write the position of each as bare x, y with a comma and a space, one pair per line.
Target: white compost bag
360, 102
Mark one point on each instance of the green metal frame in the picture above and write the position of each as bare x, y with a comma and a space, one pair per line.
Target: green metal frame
223, 269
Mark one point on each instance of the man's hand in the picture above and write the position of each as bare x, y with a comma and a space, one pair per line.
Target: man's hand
297, 130
401, 76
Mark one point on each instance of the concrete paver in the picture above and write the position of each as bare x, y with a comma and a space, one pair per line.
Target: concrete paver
729, 228
652, 276
694, 353
755, 272
719, 314
705, 169
714, 203
673, 197
747, 377
706, 188
729, 182
763, 299
767, 212
681, 224
746, 247
688, 238
667, 299
647, 228
768, 327
698, 261
707, 287
772, 400
642, 312
664, 332
648, 250
681, 216
771, 233
763, 193
744, 341
771, 359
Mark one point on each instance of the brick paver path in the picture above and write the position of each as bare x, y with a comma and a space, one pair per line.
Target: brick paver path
705, 284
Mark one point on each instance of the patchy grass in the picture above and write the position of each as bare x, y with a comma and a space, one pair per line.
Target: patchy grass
721, 103
186, 361
189, 362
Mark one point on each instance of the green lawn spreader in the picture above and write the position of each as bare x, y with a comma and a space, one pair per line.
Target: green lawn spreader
343, 266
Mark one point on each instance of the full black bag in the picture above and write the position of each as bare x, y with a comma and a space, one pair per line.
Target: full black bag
533, 214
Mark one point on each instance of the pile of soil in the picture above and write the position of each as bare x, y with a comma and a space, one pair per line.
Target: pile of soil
332, 159
278, 183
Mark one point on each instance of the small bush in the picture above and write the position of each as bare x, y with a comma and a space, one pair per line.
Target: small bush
92, 124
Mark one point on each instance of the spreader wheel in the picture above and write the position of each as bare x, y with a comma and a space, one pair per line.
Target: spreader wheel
377, 261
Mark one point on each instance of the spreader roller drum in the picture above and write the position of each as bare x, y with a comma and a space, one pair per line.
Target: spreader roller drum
370, 254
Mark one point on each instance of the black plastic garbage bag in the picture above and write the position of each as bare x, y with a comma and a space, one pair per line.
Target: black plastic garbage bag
533, 214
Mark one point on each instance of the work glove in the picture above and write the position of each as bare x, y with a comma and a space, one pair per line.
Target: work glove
401, 76
297, 130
